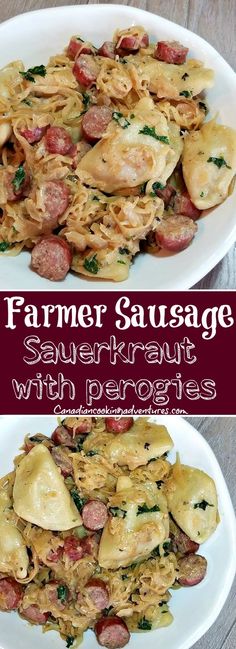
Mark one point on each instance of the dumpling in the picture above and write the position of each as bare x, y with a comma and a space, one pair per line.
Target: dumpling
138, 523
40, 495
138, 446
192, 501
209, 164
171, 81
13, 551
144, 148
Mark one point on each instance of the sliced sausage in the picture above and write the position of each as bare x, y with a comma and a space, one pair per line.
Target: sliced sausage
98, 592
77, 47
56, 199
107, 49
89, 545
30, 442
61, 436
51, 258
61, 459
118, 424
33, 135
85, 70
171, 52
133, 42
175, 233
180, 542
192, 570
11, 594
34, 615
112, 632
55, 555
94, 515
183, 205
73, 549
165, 194
78, 425
58, 140
95, 122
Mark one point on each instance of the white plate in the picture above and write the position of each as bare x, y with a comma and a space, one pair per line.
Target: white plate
37, 35
194, 609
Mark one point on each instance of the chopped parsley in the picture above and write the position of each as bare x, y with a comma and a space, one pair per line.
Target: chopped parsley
144, 624
203, 106
219, 162
95, 198
106, 611
186, 93
150, 130
31, 72
124, 577
69, 641
132, 116
201, 194
19, 178
91, 265
72, 178
91, 453
27, 101
79, 502
166, 547
144, 509
143, 188
117, 512
146, 445
202, 505
120, 119
123, 251
119, 261
4, 245
159, 483
157, 185
185, 76
62, 593
86, 100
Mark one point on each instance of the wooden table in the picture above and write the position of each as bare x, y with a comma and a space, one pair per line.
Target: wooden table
212, 19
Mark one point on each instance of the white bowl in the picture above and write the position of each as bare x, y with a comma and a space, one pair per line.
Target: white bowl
194, 609
37, 35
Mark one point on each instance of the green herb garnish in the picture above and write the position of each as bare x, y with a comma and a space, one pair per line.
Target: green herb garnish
202, 505
4, 245
91, 265
144, 624
143, 509
95, 198
62, 593
106, 611
219, 162
157, 185
201, 194
143, 188
203, 106
19, 178
117, 512
123, 251
159, 483
166, 547
124, 577
86, 100
186, 93
69, 640
119, 261
185, 76
27, 101
79, 502
91, 453
150, 130
37, 70
120, 119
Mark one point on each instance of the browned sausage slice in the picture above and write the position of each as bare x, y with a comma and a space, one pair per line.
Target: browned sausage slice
51, 258
33, 135
85, 70
98, 592
112, 632
192, 570
118, 424
171, 52
181, 542
34, 615
94, 515
95, 122
77, 47
61, 436
107, 50
165, 194
56, 198
58, 140
183, 205
175, 233
61, 459
55, 555
73, 549
132, 42
11, 594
